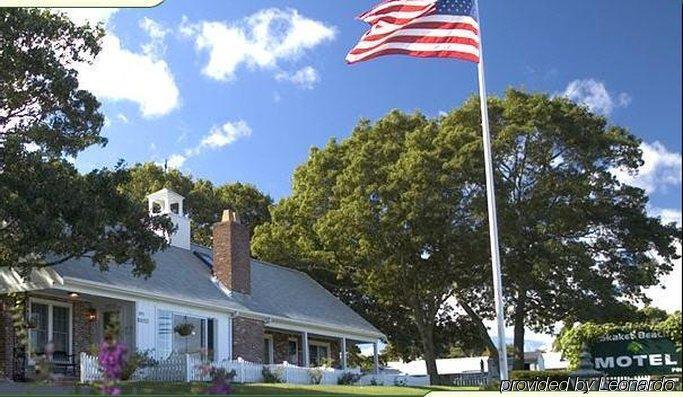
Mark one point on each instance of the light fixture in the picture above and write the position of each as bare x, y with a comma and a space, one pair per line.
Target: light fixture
73, 295
91, 315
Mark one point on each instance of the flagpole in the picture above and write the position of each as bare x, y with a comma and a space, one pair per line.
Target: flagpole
493, 221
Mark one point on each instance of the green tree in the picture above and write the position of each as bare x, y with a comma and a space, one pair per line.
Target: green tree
48, 211
383, 211
204, 201
576, 244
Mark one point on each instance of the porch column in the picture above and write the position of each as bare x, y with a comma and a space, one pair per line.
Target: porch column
343, 353
304, 342
375, 357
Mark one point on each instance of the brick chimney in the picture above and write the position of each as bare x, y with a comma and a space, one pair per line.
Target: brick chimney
231, 260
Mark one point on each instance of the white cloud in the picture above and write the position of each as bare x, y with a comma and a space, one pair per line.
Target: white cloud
661, 169
258, 41
225, 134
595, 96
122, 118
157, 35
218, 137
668, 294
306, 77
119, 74
176, 161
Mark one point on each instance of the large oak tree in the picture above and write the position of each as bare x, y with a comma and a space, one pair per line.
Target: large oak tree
49, 212
576, 243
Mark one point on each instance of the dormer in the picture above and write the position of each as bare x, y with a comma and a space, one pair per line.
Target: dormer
168, 202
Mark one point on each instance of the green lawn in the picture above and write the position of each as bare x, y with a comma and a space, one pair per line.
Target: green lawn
271, 389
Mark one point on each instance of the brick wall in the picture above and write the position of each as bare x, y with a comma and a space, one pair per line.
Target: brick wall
84, 330
247, 339
281, 347
6, 340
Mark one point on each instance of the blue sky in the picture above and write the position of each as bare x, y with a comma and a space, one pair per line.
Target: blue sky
241, 90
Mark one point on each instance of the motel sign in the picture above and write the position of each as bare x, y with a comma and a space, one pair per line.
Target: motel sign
636, 353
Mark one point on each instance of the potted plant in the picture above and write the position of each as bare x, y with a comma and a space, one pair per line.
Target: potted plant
184, 329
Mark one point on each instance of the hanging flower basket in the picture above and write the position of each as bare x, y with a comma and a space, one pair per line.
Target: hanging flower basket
184, 329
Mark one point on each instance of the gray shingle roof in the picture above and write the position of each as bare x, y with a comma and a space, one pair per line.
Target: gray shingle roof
276, 291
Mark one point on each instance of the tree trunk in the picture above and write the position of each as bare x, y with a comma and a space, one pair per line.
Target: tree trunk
518, 343
426, 330
483, 332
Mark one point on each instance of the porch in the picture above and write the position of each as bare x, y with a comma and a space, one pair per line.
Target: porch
63, 324
310, 348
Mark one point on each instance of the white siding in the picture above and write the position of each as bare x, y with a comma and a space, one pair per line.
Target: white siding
146, 325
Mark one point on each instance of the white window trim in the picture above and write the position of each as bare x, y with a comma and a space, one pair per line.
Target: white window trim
296, 341
50, 304
271, 345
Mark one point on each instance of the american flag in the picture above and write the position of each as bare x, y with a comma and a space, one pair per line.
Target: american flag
420, 28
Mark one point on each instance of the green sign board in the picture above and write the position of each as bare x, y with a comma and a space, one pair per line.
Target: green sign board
636, 353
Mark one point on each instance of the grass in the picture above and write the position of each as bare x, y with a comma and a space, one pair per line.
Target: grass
273, 389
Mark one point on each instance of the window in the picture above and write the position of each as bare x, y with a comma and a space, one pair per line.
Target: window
39, 334
293, 353
195, 342
318, 353
169, 341
60, 329
268, 349
50, 322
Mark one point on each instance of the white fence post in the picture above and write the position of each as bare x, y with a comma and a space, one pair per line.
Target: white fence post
81, 363
240, 362
188, 374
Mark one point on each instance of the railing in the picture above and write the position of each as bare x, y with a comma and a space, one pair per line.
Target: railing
471, 379
188, 368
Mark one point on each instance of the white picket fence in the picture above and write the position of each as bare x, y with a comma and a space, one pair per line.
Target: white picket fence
393, 380
188, 368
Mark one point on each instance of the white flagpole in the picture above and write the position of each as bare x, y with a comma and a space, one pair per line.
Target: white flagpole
493, 221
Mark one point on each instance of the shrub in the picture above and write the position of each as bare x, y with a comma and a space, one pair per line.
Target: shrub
400, 381
375, 382
270, 376
542, 375
348, 378
139, 359
220, 381
315, 375
490, 386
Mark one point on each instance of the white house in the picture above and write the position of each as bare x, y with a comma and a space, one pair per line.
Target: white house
237, 306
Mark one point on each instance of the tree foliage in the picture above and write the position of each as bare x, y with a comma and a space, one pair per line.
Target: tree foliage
396, 215
382, 211
48, 211
204, 202
576, 244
